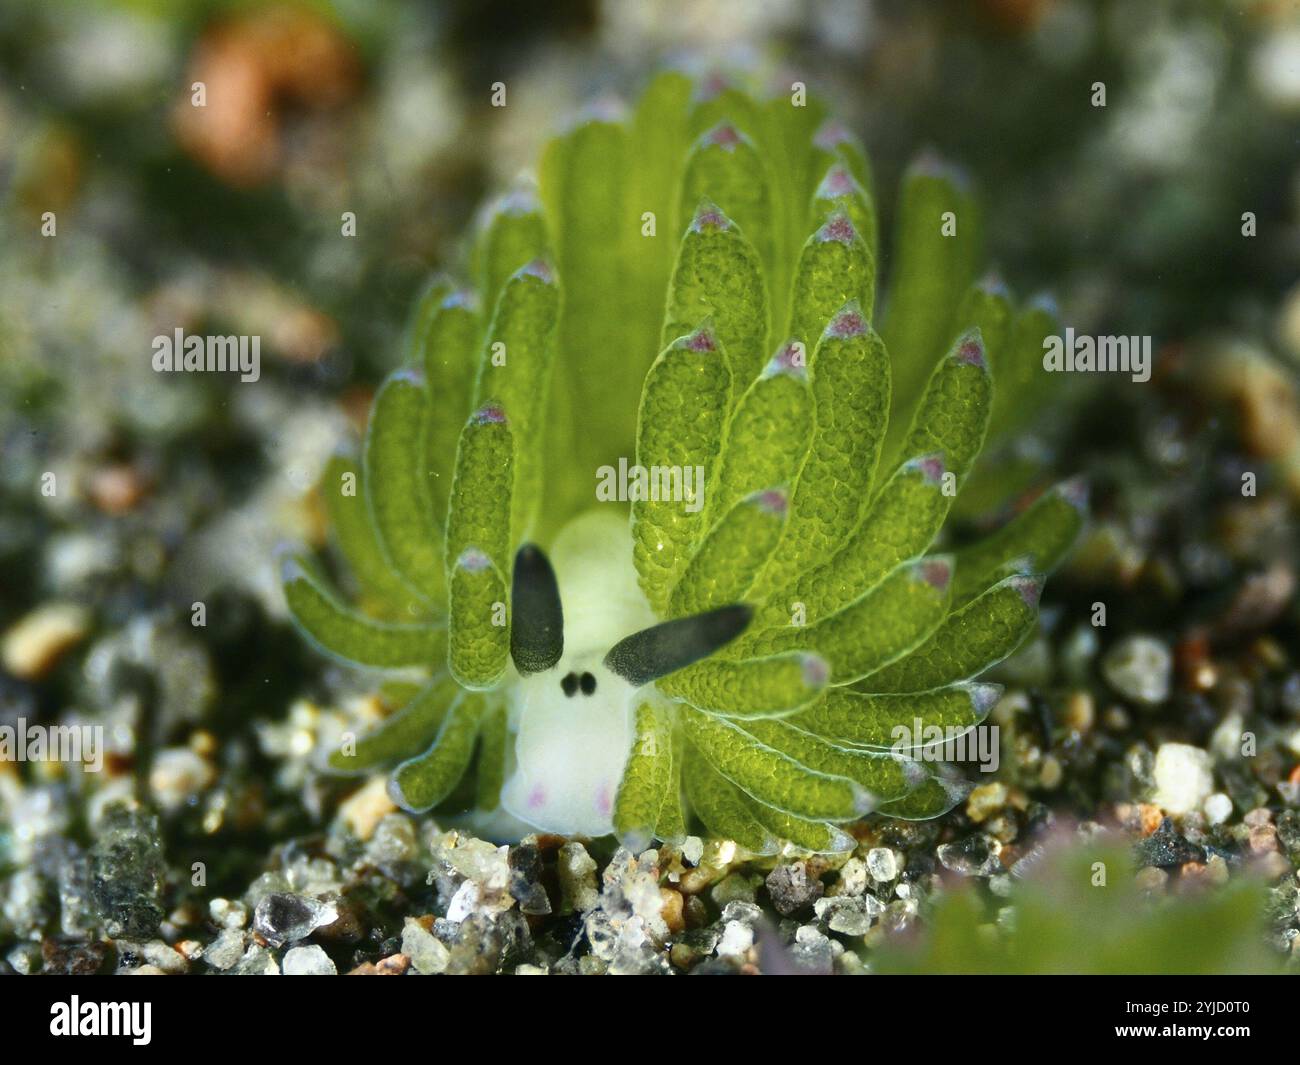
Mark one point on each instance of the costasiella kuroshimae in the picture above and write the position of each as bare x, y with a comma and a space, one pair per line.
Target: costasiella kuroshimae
693, 285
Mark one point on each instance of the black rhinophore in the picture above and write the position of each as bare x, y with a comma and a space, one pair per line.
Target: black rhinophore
665, 648
537, 628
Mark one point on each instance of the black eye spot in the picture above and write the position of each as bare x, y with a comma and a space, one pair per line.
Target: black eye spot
588, 683
569, 683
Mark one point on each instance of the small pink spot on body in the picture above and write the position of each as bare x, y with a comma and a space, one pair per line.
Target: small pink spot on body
604, 800
537, 797
839, 229
848, 323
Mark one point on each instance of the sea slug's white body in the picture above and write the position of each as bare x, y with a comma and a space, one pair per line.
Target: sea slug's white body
569, 750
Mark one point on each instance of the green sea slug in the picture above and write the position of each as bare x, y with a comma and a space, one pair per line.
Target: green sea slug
681, 313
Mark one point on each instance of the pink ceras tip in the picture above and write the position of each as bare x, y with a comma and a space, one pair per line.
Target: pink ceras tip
971, 352
701, 340
839, 229
724, 136
773, 501
831, 135
936, 573
815, 671
709, 217
837, 182
931, 467
791, 359
1030, 589
540, 269
489, 415
848, 323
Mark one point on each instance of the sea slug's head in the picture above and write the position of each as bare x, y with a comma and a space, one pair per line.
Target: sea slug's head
572, 705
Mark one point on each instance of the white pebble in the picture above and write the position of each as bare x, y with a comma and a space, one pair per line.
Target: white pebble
464, 902
693, 849
1139, 668
737, 938
853, 877
1218, 808
809, 934
1183, 776
882, 863
308, 961
428, 954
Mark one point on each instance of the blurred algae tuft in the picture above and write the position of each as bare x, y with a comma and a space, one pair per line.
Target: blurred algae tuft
1053, 915
690, 288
